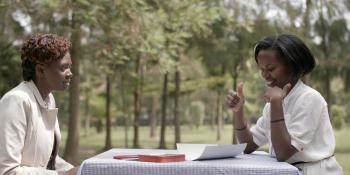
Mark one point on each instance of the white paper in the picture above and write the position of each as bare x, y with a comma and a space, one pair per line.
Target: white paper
209, 151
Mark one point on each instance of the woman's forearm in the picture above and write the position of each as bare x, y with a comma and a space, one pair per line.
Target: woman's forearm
243, 133
280, 137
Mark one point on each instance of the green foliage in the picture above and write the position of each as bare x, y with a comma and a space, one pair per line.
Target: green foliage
10, 67
98, 106
211, 42
338, 116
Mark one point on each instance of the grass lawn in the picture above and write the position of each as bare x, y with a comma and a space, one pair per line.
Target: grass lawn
342, 151
94, 143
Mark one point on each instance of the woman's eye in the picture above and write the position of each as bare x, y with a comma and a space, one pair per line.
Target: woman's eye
270, 69
65, 67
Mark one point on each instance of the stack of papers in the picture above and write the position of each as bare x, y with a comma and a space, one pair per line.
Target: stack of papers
209, 151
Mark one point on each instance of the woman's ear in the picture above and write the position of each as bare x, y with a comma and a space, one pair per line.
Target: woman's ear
39, 70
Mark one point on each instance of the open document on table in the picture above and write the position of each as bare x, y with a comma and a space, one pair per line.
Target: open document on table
209, 151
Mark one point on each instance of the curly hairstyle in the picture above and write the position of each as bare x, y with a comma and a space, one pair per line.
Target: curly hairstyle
42, 49
290, 50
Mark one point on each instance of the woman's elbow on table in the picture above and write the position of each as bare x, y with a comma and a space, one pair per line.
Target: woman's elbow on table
251, 147
284, 156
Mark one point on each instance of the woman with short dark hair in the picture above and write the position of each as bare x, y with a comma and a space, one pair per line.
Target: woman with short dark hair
29, 130
295, 121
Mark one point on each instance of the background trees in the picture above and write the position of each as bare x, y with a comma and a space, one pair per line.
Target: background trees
170, 63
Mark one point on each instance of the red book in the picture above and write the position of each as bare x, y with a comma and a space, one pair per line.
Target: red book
125, 157
161, 158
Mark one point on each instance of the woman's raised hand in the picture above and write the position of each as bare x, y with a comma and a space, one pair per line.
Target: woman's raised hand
277, 93
235, 100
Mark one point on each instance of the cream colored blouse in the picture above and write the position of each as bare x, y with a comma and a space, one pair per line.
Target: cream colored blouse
307, 121
27, 127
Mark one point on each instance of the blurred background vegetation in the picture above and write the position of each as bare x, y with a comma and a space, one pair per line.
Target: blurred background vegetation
166, 65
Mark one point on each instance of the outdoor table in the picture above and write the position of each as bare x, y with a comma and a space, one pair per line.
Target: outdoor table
243, 164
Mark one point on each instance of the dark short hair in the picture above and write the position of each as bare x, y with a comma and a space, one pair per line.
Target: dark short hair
291, 50
43, 49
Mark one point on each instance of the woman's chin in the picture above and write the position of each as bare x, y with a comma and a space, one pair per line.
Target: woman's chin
270, 84
66, 86
63, 87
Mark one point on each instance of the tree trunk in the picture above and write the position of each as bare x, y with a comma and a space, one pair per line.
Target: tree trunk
212, 121
176, 108
327, 78
153, 117
327, 81
162, 144
325, 48
137, 106
108, 141
306, 19
72, 144
218, 116
87, 114
234, 77
125, 110
189, 117
306, 30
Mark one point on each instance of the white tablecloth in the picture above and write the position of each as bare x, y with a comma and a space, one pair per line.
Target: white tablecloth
244, 164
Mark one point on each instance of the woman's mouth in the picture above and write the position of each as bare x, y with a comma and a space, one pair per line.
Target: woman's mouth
66, 83
269, 83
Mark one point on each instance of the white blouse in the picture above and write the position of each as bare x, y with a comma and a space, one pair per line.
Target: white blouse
307, 121
27, 127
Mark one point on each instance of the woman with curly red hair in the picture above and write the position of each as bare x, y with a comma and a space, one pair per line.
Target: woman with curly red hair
29, 130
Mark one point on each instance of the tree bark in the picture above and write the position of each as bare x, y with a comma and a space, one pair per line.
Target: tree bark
162, 144
176, 108
108, 141
325, 48
125, 110
234, 77
137, 106
153, 117
72, 144
87, 114
219, 122
212, 121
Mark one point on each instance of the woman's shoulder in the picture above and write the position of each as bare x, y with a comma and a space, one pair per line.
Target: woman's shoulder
20, 93
310, 93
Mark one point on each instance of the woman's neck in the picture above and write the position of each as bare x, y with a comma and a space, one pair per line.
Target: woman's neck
293, 83
43, 89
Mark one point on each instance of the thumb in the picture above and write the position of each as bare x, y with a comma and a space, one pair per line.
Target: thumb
240, 90
286, 88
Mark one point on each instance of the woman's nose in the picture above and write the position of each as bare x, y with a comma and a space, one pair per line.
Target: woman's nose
264, 74
69, 74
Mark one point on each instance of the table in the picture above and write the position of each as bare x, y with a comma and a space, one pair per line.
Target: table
245, 164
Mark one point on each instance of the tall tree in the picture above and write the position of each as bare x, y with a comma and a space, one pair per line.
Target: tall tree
72, 144
162, 144
183, 21
332, 30
108, 140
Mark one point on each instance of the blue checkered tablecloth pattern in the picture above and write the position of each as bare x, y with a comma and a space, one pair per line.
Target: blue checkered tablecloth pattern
244, 164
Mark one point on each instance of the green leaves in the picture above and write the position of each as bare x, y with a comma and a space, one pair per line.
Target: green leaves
10, 67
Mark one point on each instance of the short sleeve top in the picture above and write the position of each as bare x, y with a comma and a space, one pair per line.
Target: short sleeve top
308, 124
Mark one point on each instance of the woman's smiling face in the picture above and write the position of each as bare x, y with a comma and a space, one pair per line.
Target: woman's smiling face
273, 70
